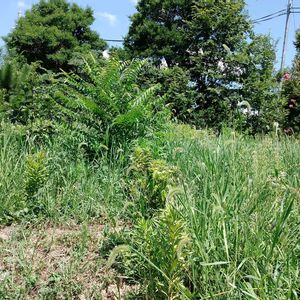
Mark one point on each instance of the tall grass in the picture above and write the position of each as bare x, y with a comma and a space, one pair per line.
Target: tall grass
74, 188
228, 228
243, 216
239, 202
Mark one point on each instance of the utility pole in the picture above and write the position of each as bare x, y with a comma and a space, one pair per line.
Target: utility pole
286, 31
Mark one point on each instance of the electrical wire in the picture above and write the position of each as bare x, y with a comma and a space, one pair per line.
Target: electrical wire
271, 15
116, 41
294, 10
267, 19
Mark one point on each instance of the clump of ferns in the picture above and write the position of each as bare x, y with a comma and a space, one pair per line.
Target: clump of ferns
150, 181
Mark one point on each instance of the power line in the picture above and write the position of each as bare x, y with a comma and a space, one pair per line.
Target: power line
293, 9
270, 15
116, 41
283, 12
268, 19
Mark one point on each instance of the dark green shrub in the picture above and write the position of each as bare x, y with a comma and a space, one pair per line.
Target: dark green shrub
24, 94
291, 90
175, 88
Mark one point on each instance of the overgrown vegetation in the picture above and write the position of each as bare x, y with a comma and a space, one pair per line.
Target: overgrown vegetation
207, 216
106, 194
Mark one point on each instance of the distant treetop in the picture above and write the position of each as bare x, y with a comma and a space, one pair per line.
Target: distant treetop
53, 32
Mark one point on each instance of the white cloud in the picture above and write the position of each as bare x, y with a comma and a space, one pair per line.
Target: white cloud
110, 18
134, 1
21, 4
21, 7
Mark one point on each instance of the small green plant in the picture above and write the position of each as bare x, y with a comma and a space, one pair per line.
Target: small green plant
36, 173
151, 180
111, 239
158, 258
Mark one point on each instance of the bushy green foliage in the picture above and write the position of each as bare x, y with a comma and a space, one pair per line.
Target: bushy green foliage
234, 66
291, 92
159, 30
52, 32
175, 88
259, 87
107, 99
224, 61
24, 94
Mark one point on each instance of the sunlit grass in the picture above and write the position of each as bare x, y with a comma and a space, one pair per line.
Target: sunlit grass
236, 202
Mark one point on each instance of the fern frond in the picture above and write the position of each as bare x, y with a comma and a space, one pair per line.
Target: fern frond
130, 117
132, 71
143, 96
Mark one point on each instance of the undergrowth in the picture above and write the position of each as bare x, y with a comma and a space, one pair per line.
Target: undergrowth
187, 214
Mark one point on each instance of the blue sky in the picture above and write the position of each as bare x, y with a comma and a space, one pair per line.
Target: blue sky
112, 18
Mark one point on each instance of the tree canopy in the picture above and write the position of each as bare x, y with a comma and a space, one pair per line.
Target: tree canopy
291, 90
159, 29
180, 29
214, 42
52, 32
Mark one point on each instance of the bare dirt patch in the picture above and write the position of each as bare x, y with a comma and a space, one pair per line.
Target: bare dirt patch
57, 262
6, 232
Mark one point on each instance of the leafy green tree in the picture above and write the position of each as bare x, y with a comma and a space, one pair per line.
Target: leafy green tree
52, 32
182, 30
214, 43
291, 91
159, 29
174, 88
260, 87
